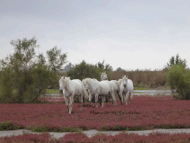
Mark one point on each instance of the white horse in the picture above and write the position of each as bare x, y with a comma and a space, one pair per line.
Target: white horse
116, 88
119, 80
126, 87
99, 88
86, 86
70, 89
103, 76
115, 84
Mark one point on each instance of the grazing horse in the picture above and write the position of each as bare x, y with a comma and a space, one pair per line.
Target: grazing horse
71, 88
99, 88
126, 87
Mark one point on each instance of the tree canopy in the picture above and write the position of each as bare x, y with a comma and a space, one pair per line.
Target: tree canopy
25, 75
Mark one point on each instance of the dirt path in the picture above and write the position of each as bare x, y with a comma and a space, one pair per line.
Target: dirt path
91, 133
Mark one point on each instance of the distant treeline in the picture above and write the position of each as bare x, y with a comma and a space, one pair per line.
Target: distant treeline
143, 78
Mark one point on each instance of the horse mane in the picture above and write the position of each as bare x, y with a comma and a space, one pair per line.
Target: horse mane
67, 79
88, 80
120, 80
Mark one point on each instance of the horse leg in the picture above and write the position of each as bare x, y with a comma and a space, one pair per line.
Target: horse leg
66, 102
81, 100
121, 96
103, 100
71, 104
90, 99
124, 97
127, 95
96, 99
107, 98
113, 98
130, 97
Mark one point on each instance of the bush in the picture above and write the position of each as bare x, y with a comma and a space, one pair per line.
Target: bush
85, 70
24, 75
179, 81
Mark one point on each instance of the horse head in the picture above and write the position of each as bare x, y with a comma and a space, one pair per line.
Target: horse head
103, 76
124, 80
64, 83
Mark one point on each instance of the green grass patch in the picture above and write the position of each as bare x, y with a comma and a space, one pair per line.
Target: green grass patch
52, 91
8, 126
142, 88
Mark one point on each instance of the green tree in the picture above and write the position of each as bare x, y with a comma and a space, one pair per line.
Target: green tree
176, 61
84, 70
24, 75
102, 67
56, 59
179, 81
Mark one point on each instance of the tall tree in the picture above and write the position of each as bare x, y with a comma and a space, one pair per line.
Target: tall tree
25, 76
56, 59
176, 61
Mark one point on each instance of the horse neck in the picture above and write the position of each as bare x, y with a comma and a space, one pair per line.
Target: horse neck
68, 84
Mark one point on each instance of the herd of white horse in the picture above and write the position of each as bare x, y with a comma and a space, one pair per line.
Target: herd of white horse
91, 86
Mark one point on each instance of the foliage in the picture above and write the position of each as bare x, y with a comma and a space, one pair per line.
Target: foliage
142, 78
179, 81
24, 75
84, 70
176, 61
56, 59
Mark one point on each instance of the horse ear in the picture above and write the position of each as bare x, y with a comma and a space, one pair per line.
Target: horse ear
59, 77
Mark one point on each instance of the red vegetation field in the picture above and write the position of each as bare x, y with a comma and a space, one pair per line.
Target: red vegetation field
143, 113
81, 138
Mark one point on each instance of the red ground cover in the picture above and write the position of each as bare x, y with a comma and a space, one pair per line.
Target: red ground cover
143, 113
102, 138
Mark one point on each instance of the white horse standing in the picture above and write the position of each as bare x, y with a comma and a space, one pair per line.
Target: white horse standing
100, 88
116, 88
115, 84
126, 87
86, 86
70, 89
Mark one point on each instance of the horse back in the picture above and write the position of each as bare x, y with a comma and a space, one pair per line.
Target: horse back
78, 85
130, 85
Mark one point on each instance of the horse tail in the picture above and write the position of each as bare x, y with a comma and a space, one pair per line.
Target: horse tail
84, 92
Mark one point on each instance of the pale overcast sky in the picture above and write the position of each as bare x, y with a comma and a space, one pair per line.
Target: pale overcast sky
131, 34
